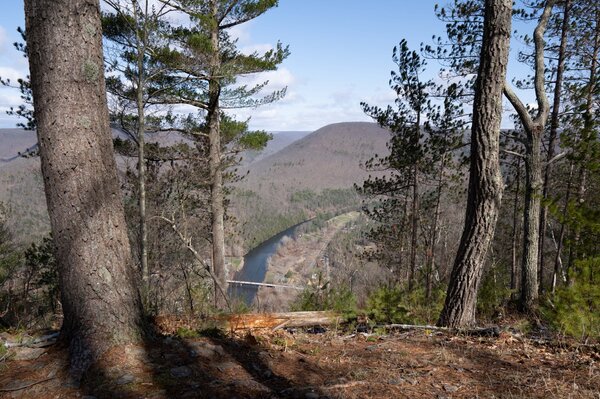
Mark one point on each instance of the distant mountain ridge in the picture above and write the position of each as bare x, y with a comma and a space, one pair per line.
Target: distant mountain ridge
330, 157
280, 140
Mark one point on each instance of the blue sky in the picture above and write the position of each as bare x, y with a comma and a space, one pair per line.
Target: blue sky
340, 55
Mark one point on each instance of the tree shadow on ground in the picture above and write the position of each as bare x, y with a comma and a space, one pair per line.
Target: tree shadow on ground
211, 367
517, 375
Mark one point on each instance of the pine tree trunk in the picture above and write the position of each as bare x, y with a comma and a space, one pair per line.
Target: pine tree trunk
587, 135
100, 299
216, 192
400, 267
515, 233
485, 179
534, 127
435, 229
558, 269
141, 131
573, 248
554, 124
414, 230
533, 185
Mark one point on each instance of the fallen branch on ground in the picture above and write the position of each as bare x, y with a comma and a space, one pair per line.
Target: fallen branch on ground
276, 321
478, 332
20, 388
40, 342
346, 385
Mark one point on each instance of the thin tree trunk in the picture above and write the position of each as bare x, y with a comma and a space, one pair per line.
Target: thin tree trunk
434, 229
400, 272
531, 211
414, 230
554, 124
561, 235
534, 127
415, 209
141, 131
217, 197
485, 178
588, 127
188, 289
515, 233
100, 300
581, 188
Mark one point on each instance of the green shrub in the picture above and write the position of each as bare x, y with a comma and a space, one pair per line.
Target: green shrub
395, 304
386, 305
340, 300
212, 332
494, 292
575, 309
184, 332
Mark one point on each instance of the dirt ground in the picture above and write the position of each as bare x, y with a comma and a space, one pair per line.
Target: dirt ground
284, 364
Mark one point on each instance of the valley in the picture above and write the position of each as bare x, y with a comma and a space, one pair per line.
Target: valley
298, 176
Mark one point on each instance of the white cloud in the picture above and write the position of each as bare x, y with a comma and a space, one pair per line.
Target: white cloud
302, 114
7, 121
381, 97
277, 79
256, 48
3, 39
241, 33
12, 73
9, 98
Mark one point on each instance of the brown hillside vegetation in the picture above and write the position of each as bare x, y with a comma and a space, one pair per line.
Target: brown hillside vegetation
279, 141
314, 174
13, 141
21, 187
285, 364
327, 158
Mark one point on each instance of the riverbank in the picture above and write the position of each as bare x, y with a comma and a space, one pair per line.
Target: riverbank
299, 262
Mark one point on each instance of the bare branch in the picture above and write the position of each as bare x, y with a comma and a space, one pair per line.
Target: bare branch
519, 107
187, 241
557, 157
540, 91
513, 153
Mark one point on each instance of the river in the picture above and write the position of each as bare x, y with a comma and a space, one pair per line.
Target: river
255, 265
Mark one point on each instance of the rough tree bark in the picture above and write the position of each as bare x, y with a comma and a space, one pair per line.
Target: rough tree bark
534, 129
101, 303
515, 244
216, 172
485, 179
141, 44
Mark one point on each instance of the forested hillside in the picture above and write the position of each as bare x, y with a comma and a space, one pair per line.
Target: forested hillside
315, 174
21, 186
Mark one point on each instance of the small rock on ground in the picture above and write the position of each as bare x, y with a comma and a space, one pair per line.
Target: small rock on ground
28, 353
181, 372
125, 379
